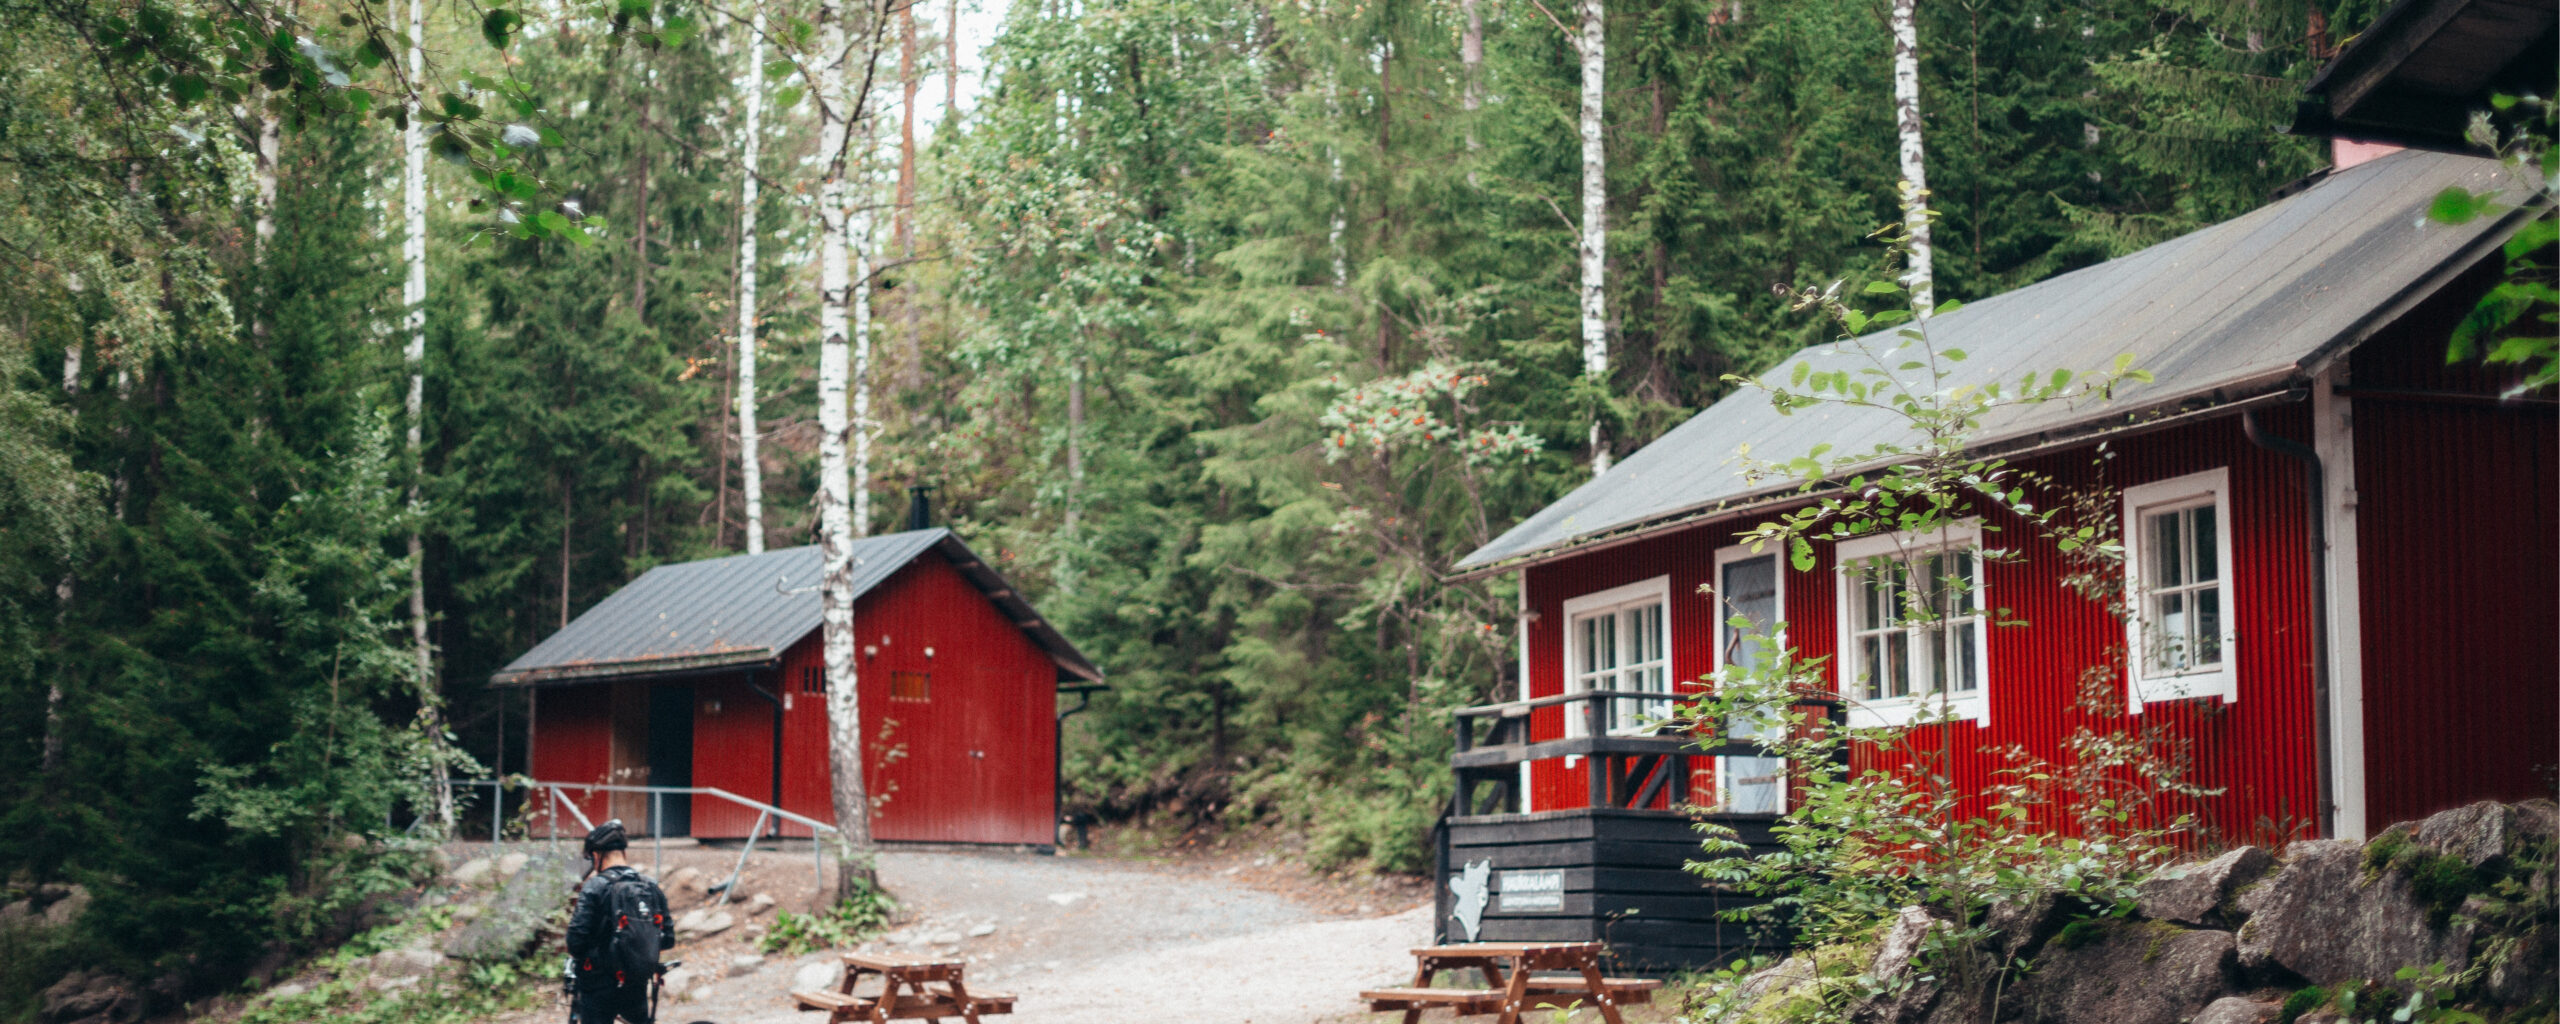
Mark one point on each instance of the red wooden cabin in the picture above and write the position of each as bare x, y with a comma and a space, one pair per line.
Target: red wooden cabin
2311, 329
2301, 403
709, 674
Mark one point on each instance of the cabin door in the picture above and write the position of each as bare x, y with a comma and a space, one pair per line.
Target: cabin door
1749, 589
670, 759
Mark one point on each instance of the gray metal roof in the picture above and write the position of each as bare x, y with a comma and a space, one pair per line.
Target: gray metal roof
746, 610
2240, 309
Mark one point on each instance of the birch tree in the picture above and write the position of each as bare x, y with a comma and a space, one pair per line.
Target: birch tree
413, 297
840, 98
1915, 176
1591, 43
750, 459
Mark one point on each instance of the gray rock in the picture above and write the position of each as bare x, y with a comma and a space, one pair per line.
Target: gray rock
473, 871
19, 913
512, 916
900, 937
2238, 1010
84, 996
2138, 973
819, 976
2528, 971
703, 922
512, 863
286, 991
2025, 925
761, 903
405, 963
2488, 830
387, 982
682, 985
2322, 919
67, 905
684, 885
1787, 975
946, 938
743, 965
2195, 893
982, 931
1906, 993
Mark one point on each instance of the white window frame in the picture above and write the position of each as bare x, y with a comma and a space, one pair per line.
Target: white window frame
2144, 684
1848, 555
1738, 553
1653, 591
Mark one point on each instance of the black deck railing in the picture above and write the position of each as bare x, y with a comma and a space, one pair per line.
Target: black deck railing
1634, 758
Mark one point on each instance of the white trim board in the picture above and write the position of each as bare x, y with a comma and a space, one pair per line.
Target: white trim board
2333, 439
2141, 687
1975, 707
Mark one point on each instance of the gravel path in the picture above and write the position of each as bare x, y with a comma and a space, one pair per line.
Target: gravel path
1093, 941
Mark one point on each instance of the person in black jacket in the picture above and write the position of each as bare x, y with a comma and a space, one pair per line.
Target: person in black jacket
602, 989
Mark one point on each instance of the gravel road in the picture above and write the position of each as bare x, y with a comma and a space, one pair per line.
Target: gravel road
1094, 941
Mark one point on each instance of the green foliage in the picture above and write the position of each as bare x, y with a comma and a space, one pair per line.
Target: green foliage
2302, 1001
2497, 330
843, 926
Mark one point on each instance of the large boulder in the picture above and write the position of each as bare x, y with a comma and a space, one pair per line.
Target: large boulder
2127, 973
2486, 832
515, 914
2199, 893
2327, 919
85, 997
2025, 924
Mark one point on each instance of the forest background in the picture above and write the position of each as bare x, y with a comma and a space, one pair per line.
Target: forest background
1224, 327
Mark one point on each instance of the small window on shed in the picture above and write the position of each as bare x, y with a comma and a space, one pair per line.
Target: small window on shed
912, 687
813, 679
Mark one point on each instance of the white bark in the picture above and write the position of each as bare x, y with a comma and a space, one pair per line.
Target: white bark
1592, 44
863, 429
837, 107
413, 294
750, 430
1915, 176
62, 592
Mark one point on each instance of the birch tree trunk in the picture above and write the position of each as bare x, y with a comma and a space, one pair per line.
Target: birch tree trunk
1915, 175
951, 72
1595, 219
413, 294
862, 426
750, 430
838, 107
62, 591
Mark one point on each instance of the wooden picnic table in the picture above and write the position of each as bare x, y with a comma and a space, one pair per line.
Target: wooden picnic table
933, 990
1513, 973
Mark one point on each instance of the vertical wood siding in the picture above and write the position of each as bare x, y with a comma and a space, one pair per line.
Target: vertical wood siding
573, 742
976, 760
2458, 530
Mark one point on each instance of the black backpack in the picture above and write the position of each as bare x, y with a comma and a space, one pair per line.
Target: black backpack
638, 912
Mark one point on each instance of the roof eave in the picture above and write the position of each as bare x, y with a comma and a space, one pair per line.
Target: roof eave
590, 671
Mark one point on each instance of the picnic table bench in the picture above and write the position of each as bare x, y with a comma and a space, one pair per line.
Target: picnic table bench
933, 990
1521, 976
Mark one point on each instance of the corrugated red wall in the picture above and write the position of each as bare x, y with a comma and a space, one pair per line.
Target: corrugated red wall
2458, 533
573, 742
2258, 748
975, 762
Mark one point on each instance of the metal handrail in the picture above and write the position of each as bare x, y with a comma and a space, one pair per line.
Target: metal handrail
765, 814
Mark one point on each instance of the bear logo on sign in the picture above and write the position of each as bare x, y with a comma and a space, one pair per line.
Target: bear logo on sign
1473, 888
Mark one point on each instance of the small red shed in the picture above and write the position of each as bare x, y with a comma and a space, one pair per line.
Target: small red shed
709, 674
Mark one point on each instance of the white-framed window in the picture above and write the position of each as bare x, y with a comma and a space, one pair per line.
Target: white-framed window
1914, 638
1751, 586
2179, 642
1620, 639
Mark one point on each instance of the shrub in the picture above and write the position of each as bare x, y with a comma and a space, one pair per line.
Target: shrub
847, 924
